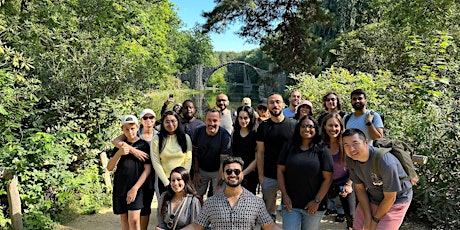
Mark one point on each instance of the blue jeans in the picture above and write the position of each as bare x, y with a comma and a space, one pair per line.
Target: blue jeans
299, 219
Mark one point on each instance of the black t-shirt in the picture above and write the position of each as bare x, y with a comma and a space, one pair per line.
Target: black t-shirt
303, 175
211, 147
274, 135
129, 168
244, 147
190, 127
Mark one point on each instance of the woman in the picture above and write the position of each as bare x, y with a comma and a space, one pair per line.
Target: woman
171, 148
341, 187
332, 104
304, 177
146, 133
305, 108
179, 205
244, 145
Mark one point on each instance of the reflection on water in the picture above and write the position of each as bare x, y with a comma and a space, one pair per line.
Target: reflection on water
235, 93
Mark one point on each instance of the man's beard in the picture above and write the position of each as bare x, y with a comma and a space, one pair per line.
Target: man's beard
233, 185
358, 106
275, 115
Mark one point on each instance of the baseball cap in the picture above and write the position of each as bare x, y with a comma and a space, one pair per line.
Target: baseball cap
145, 111
263, 102
129, 119
246, 101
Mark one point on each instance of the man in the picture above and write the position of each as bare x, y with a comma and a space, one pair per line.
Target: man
235, 207
271, 135
383, 202
189, 120
262, 111
294, 100
226, 116
368, 122
211, 143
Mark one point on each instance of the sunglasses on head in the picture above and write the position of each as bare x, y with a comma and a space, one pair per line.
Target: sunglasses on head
151, 118
171, 219
230, 171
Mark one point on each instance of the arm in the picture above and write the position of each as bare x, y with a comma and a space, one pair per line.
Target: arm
165, 105
132, 193
271, 226
156, 162
363, 200
312, 206
124, 150
384, 206
260, 160
161, 223
373, 131
282, 186
188, 155
250, 167
118, 141
193, 226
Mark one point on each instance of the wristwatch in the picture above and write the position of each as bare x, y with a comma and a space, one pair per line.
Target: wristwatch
317, 200
368, 123
375, 219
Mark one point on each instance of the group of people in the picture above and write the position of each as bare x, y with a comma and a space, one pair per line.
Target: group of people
280, 148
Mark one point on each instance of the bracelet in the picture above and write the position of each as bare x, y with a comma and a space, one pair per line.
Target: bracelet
375, 219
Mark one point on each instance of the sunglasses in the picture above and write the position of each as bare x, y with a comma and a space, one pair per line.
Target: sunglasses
221, 100
146, 118
170, 223
230, 171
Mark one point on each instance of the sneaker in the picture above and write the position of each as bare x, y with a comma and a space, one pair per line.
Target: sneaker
340, 218
330, 212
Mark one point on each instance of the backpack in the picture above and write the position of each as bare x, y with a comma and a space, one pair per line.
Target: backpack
400, 150
348, 116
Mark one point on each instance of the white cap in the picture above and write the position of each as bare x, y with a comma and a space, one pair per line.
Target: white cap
129, 119
145, 111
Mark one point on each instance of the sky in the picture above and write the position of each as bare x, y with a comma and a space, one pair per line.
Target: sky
190, 13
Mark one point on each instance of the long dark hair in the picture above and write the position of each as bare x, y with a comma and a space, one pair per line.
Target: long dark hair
180, 133
189, 189
339, 102
252, 120
327, 139
297, 139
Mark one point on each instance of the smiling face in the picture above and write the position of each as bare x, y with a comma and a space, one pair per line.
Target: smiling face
212, 123
304, 110
307, 129
358, 101
275, 105
170, 124
331, 102
333, 127
295, 97
243, 119
148, 120
130, 131
233, 180
177, 183
222, 102
356, 148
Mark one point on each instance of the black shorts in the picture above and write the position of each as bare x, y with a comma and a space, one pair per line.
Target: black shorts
147, 201
121, 207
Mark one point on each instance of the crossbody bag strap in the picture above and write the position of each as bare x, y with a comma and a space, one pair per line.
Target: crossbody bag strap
180, 211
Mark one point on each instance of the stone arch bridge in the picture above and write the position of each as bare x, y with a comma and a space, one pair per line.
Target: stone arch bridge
199, 76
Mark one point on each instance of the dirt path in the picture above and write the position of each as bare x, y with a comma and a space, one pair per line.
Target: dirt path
105, 219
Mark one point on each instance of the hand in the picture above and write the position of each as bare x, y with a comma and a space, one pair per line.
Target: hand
261, 179
158, 228
287, 203
369, 117
169, 101
347, 189
131, 196
125, 148
312, 207
142, 156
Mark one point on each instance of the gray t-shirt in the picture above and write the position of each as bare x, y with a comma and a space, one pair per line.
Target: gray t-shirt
391, 170
226, 121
